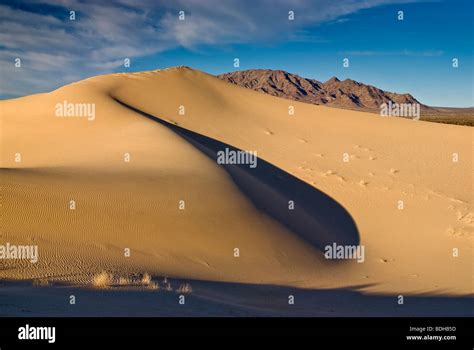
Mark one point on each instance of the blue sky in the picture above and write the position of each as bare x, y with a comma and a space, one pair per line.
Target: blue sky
414, 55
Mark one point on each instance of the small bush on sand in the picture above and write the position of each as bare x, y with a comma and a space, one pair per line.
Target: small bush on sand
42, 282
102, 280
168, 287
153, 285
124, 281
146, 279
185, 288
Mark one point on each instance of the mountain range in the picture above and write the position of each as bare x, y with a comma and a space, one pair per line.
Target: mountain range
348, 93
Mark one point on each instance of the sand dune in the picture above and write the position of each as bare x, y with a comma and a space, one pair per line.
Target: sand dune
301, 157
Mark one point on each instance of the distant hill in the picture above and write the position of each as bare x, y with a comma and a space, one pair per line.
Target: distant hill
348, 93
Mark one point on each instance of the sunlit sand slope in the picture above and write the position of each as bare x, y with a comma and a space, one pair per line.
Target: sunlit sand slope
143, 177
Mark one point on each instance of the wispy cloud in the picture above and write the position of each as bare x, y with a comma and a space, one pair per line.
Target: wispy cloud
53, 48
426, 53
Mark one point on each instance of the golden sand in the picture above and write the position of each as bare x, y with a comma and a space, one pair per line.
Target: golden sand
181, 214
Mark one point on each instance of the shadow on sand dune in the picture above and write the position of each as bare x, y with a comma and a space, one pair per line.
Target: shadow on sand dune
20, 298
316, 217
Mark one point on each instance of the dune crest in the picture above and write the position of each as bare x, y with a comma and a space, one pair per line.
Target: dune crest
140, 179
